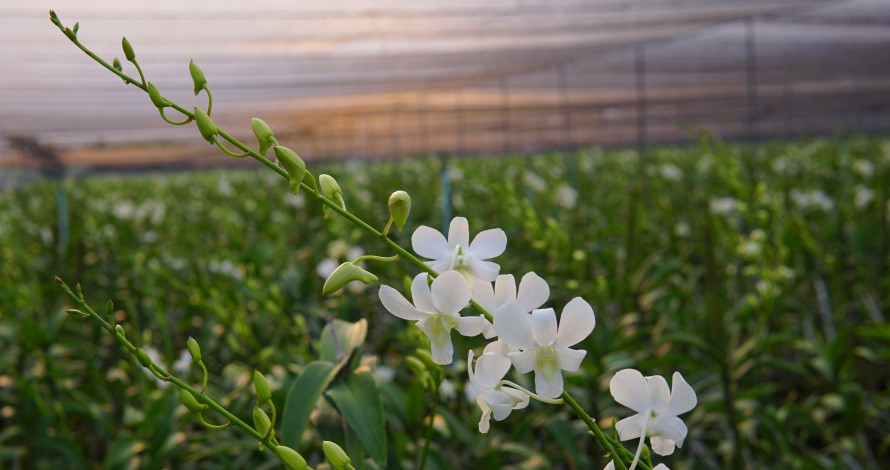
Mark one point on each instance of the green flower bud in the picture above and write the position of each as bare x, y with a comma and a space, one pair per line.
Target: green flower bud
143, 358
128, 50
291, 458
70, 34
197, 77
205, 125
191, 402
75, 28
155, 96
399, 208
55, 18
344, 274
263, 393
261, 421
74, 311
416, 365
295, 166
109, 309
120, 331
336, 456
263, 134
116, 63
194, 350
329, 186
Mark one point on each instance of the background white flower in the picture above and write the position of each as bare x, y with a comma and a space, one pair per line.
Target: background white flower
657, 408
457, 253
436, 310
490, 368
543, 346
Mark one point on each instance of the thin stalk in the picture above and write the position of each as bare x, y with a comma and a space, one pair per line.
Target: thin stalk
429, 429
597, 432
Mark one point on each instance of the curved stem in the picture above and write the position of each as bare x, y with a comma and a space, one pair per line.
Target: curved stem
597, 432
209, 99
388, 226
175, 123
206, 375
227, 151
642, 443
139, 69
213, 426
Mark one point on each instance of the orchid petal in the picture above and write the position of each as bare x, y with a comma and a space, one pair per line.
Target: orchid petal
630, 427
459, 233
661, 466
630, 388
570, 359
489, 244
505, 290
662, 446
485, 270
514, 327
442, 265
610, 465
533, 292
548, 387
483, 294
489, 332
544, 326
668, 427
470, 326
485, 420
521, 399
659, 393
420, 293
477, 385
576, 323
499, 348
398, 305
524, 361
491, 368
683, 397
450, 293
429, 243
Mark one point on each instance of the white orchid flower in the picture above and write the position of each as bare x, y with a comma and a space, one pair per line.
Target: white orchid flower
657, 409
532, 293
458, 253
542, 346
494, 399
611, 466
436, 310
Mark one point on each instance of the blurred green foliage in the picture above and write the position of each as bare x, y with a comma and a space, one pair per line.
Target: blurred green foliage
760, 273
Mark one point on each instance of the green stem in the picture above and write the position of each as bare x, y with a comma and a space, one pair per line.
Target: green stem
376, 258
175, 123
213, 426
206, 375
388, 226
429, 429
227, 151
550, 401
597, 432
209, 99
139, 69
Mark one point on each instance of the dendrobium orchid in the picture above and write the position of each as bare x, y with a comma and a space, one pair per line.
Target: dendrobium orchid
532, 293
458, 253
542, 346
494, 399
657, 409
436, 310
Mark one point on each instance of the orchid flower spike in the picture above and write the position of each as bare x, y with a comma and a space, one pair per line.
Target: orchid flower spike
457, 253
657, 409
494, 400
436, 310
543, 347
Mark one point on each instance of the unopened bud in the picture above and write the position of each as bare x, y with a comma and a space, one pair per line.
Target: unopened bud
75, 28
205, 125
263, 393
329, 186
399, 208
336, 456
263, 134
293, 164
291, 458
74, 311
197, 76
190, 402
417, 367
344, 274
155, 96
194, 350
55, 18
128, 50
116, 63
261, 421
109, 309
120, 331
143, 358
70, 34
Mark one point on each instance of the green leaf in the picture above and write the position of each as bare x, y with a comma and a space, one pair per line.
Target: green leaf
301, 400
358, 399
343, 340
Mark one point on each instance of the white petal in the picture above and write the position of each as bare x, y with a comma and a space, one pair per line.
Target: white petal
661, 466
484, 422
475, 383
570, 359
630, 427
499, 348
533, 292
576, 323
662, 446
610, 465
398, 305
491, 368
489, 332
420, 293
442, 264
505, 290
544, 326
441, 351
483, 294
520, 399
429, 243
668, 427
683, 397
514, 326
500, 403
630, 388
471, 326
659, 393
485, 270
524, 361
451, 293
548, 387
489, 243
459, 233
